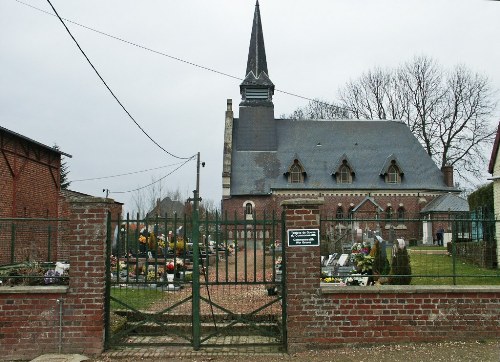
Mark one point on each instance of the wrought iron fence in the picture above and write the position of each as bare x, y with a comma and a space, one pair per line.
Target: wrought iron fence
439, 249
34, 251
153, 285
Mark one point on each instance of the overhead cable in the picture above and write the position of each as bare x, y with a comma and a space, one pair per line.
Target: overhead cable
152, 183
124, 174
112, 93
180, 59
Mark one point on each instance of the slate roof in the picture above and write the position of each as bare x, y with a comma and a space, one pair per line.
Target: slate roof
167, 206
320, 145
446, 203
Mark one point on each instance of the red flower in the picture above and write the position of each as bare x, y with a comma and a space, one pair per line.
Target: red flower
170, 267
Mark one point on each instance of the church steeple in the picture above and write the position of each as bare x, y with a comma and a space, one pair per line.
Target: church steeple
256, 88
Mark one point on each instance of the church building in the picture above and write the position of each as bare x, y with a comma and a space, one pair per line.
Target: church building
358, 168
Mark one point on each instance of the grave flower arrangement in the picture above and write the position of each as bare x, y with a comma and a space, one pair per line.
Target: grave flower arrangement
161, 241
143, 240
278, 263
170, 267
361, 258
155, 275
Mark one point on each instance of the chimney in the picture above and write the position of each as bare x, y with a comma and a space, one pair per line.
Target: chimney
448, 175
229, 105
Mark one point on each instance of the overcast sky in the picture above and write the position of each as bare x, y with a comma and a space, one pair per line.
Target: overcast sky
48, 91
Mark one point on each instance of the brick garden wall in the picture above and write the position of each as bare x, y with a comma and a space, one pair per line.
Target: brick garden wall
325, 316
30, 316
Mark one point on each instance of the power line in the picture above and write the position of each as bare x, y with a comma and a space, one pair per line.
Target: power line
152, 183
124, 174
179, 59
109, 89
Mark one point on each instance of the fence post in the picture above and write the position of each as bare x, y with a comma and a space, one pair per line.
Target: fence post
12, 242
196, 262
302, 271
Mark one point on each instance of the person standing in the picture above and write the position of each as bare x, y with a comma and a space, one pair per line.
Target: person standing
440, 235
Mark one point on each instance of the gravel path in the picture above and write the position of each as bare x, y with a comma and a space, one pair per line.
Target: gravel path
484, 351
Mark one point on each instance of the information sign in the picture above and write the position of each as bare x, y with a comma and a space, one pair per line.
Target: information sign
303, 237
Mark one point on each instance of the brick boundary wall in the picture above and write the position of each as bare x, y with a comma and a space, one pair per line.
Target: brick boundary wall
325, 316
30, 319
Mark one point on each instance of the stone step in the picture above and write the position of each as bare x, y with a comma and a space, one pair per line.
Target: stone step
205, 318
237, 329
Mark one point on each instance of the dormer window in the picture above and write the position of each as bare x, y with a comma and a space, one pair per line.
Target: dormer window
392, 171
393, 175
296, 172
344, 173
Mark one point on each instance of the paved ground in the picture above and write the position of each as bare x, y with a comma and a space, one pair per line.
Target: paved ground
481, 351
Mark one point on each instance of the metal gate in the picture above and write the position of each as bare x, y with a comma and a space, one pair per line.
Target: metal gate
164, 289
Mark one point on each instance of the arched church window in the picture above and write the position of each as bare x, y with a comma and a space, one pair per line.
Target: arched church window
401, 213
248, 209
388, 213
340, 213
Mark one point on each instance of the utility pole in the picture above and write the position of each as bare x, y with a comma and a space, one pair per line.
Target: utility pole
196, 260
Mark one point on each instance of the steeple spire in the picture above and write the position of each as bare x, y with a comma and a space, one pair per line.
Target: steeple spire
256, 87
257, 62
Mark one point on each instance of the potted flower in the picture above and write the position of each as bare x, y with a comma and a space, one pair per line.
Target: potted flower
170, 268
179, 268
142, 243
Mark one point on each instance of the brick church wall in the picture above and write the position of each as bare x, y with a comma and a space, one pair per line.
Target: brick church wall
411, 203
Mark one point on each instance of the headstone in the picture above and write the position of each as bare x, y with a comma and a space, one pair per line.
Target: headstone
343, 259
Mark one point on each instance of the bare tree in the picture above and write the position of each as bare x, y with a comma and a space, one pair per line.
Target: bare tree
155, 193
317, 109
448, 112
139, 203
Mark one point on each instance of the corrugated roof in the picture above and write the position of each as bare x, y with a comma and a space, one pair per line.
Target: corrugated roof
321, 144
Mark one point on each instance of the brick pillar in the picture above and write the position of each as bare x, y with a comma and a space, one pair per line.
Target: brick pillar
303, 271
83, 328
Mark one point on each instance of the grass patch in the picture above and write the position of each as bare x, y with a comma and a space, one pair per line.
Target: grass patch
134, 298
437, 269
427, 247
